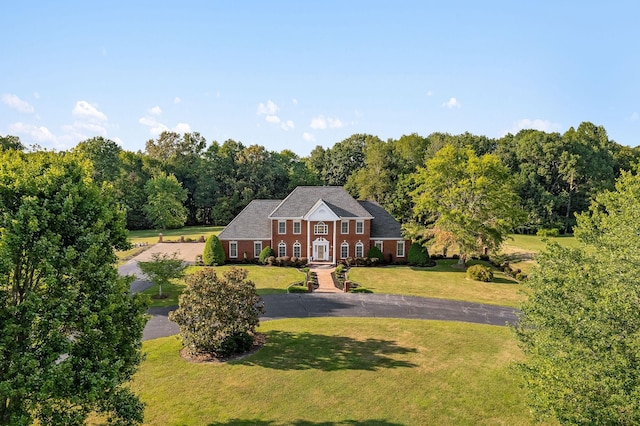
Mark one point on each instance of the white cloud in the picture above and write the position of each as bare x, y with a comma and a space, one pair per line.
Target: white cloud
156, 110
308, 137
37, 133
155, 128
288, 125
182, 128
16, 103
177, 100
429, 93
452, 103
85, 110
274, 119
294, 101
36, 95
320, 123
537, 124
270, 108
634, 116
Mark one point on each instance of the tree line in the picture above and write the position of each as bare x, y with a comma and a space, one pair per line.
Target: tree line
183, 179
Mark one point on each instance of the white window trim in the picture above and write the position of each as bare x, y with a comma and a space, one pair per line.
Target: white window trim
297, 246
319, 225
235, 245
281, 245
255, 243
342, 230
299, 224
343, 245
399, 252
360, 223
284, 225
360, 246
380, 245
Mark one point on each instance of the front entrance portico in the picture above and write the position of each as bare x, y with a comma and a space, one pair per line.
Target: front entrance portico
321, 250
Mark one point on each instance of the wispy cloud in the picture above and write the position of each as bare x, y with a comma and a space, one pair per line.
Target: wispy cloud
536, 124
177, 100
13, 101
308, 137
269, 111
321, 122
156, 110
40, 134
85, 110
155, 127
452, 103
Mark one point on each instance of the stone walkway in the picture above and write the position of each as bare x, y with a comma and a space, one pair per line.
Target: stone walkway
325, 282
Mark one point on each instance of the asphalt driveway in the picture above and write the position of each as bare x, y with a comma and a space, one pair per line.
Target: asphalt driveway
279, 306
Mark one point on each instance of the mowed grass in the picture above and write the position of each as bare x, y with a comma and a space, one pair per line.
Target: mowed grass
150, 236
334, 371
444, 281
522, 249
268, 280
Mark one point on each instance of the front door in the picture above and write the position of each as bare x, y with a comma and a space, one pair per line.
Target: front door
321, 250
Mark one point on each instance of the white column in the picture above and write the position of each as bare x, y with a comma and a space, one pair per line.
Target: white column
309, 248
335, 260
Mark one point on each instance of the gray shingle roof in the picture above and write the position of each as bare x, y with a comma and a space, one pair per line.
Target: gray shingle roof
303, 198
252, 222
383, 225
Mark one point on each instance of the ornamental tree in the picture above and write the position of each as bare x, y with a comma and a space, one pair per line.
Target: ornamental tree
70, 332
213, 254
217, 314
579, 328
162, 269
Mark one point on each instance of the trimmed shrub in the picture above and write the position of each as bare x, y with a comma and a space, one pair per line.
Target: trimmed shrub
419, 256
480, 273
265, 254
298, 288
375, 253
360, 290
213, 254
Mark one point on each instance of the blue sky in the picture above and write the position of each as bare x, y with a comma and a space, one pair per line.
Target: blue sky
296, 74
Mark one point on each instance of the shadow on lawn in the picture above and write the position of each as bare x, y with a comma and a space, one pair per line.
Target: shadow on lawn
305, 423
302, 351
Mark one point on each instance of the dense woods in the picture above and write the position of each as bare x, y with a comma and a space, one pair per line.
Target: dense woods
555, 175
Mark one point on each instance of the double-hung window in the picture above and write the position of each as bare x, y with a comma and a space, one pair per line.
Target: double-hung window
257, 248
344, 250
344, 227
297, 229
282, 227
359, 249
400, 249
297, 249
282, 249
233, 249
360, 227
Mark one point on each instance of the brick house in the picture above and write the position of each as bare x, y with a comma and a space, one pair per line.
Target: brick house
321, 223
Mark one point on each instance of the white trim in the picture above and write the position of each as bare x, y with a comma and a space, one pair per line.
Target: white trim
299, 223
282, 222
299, 246
321, 223
375, 243
344, 244
342, 222
234, 243
254, 248
360, 245
398, 245
359, 222
320, 205
282, 244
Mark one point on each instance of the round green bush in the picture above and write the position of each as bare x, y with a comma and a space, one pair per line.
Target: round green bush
375, 253
480, 273
419, 255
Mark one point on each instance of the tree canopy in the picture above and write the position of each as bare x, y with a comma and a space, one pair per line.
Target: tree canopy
70, 332
465, 200
580, 328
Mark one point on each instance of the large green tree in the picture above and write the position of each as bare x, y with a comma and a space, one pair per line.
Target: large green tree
164, 207
466, 200
70, 332
579, 328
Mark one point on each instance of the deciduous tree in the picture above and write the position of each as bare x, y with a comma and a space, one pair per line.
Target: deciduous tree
164, 207
465, 196
70, 332
579, 328
162, 268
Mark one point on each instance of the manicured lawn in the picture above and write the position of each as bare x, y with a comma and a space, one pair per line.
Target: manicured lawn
342, 371
150, 236
268, 280
444, 281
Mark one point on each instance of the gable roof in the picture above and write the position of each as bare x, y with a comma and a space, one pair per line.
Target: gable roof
384, 225
252, 222
304, 198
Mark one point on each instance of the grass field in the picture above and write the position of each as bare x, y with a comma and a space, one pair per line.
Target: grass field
268, 280
150, 236
337, 371
444, 281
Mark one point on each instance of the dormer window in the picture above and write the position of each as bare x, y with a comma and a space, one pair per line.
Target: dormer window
320, 228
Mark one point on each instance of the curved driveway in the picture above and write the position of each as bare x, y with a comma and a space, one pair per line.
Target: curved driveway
279, 306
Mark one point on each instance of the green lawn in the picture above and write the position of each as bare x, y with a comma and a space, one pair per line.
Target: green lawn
444, 281
150, 236
338, 371
268, 280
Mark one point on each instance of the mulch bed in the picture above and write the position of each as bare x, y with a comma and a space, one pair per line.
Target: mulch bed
259, 339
